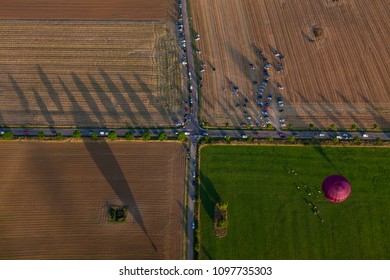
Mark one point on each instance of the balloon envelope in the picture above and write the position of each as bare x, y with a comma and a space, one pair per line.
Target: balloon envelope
336, 188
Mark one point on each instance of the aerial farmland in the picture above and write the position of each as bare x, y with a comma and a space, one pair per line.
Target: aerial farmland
55, 199
328, 61
92, 64
277, 209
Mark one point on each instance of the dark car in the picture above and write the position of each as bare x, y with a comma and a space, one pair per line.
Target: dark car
282, 135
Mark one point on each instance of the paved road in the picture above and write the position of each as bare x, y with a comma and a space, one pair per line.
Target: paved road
194, 128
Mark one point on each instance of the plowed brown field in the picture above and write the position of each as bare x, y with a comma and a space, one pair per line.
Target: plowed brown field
86, 9
89, 73
342, 78
54, 200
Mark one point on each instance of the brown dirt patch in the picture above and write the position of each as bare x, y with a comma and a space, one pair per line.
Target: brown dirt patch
55, 197
342, 79
86, 9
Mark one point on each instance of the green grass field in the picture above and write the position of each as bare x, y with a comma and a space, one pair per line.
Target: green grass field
268, 187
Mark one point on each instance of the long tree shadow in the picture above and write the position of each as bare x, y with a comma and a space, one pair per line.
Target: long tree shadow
208, 195
82, 117
109, 167
104, 99
44, 110
374, 112
53, 94
87, 96
134, 98
130, 92
22, 98
152, 99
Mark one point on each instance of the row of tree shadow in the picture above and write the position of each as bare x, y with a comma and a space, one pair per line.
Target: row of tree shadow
100, 152
109, 100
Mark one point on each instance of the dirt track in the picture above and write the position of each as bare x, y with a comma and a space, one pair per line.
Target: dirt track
77, 73
86, 9
340, 79
54, 200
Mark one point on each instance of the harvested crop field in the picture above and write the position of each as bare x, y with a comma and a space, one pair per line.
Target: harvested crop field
55, 199
339, 77
86, 9
89, 73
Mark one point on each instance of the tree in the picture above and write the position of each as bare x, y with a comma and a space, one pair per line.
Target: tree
163, 136
223, 206
335, 140
8, 135
311, 126
318, 32
77, 134
353, 126
378, 141
227, 124
206, 138
270, 139
129, 136
181, 136
112, 135
292, 139
146, 136
375, 126
248, 126
94, 135
59, 136
250, 138
290, 126
356, 140
41, 135
227, 137
269, 125
222, 223
332, 126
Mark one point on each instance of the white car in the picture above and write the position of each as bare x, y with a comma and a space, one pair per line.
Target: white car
365, 135
321, 134
186, 133
244, 136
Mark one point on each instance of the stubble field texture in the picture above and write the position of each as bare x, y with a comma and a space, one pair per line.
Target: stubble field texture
55, 199
271, 194
341, 78
86, 9
81, 72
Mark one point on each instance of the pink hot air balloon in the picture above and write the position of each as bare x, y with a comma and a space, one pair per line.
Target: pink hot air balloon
336, 188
